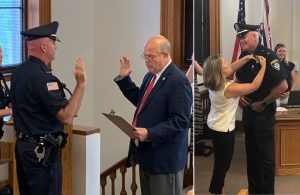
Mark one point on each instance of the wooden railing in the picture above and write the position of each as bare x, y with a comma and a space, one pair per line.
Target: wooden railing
6, 154
204, 99
202, 107
112, 174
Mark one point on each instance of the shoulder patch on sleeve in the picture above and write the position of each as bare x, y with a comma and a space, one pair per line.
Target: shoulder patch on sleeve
52, 86
275, 64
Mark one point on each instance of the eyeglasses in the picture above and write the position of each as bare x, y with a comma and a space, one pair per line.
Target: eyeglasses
150, 57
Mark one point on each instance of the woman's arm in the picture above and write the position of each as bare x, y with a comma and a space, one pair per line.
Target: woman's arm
237, 65
236, 89
294, 79
190, 73
198, 68
5, 112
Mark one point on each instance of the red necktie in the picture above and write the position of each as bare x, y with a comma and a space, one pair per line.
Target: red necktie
147, 92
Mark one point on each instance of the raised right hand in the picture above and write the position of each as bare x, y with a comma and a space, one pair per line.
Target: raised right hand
79, 71
125, 68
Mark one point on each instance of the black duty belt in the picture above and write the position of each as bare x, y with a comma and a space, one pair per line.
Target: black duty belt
51, 138
28, 138
48, 145
35, 138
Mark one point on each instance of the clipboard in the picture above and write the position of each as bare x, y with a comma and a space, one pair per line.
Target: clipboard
121, 123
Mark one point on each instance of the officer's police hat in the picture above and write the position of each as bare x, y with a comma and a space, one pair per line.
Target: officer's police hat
241, 28
47, 30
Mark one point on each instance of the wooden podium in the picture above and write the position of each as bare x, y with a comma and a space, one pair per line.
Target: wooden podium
287, 142
66, 166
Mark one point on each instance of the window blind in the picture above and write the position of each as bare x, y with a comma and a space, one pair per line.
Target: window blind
11, 17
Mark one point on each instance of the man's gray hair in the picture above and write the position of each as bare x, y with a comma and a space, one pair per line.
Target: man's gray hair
165, 46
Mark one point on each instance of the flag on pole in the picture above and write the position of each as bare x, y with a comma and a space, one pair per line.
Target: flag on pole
237, 47
265, 28
240, 19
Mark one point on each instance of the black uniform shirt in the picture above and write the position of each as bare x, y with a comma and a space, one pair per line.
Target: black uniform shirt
274, 73
289, 67
4, 97
36, 97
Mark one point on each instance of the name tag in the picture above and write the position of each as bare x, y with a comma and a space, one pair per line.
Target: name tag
52, 86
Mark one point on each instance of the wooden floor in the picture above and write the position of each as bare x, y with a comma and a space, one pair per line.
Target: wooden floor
236, 178
243, 192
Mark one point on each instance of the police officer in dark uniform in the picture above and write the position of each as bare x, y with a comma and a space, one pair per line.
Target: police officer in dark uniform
259, 110
40, 110
4, 97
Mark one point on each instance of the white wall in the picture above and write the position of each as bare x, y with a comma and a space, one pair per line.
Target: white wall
101, 32
122, 28
295, 50
282, 22
77, 32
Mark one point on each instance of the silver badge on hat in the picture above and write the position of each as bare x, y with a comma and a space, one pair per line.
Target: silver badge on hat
236, 27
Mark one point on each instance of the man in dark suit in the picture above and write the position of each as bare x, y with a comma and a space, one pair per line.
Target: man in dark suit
161, 119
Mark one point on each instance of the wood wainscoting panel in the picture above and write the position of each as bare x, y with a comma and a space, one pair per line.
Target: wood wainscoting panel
66, 159
171, 26
290, 144
287, 146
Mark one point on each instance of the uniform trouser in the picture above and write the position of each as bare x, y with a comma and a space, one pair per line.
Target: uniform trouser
33, 177
223, 144
161, 184
260, 149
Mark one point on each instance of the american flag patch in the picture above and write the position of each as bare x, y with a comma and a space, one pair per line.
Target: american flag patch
52, 86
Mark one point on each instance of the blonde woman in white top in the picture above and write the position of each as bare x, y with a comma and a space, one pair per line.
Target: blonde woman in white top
224, 97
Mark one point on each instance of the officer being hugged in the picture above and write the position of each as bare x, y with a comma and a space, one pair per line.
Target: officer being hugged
40, 110
259, 110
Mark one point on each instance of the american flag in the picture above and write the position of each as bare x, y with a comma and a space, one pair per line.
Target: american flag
52, 86
240, 19
265, 28
237, 48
